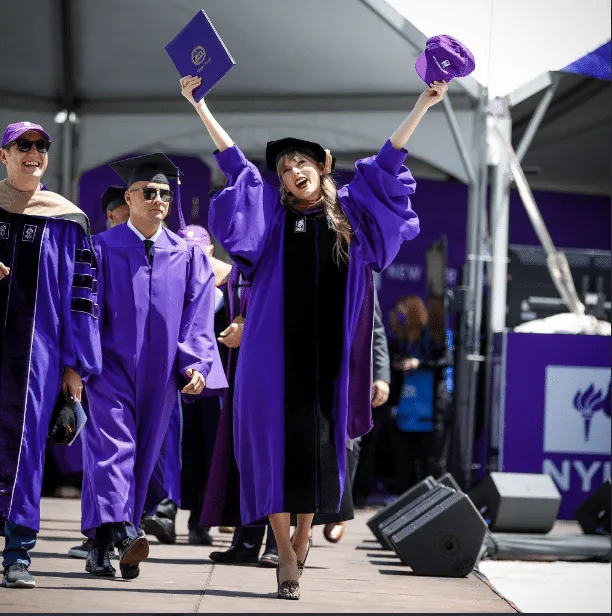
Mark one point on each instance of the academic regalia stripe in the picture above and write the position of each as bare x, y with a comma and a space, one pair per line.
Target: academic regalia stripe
83, 281
84, 256
81, 304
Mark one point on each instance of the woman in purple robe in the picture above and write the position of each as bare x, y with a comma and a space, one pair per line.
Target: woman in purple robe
304, 372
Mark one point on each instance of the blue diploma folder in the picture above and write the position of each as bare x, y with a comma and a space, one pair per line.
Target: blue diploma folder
81, 420
199, 51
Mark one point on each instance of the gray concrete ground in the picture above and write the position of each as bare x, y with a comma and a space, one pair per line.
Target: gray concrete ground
556, 587
352, 576
553, 588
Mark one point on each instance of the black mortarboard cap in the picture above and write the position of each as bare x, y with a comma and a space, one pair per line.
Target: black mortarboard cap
113, 197
155, 167
148, 168
275, 149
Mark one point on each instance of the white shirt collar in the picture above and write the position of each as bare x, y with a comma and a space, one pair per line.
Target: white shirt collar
153, 238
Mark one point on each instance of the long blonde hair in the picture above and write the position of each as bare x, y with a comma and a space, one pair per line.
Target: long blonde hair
329, 202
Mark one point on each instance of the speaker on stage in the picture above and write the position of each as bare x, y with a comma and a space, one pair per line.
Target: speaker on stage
390, 512
517, 502
449, 481
594, 514
380, 518
440, 535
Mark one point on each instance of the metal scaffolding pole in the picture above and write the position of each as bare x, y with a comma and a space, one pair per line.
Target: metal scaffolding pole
67, 156
536, 120
498, 267
500, 217
469, 356
463, 151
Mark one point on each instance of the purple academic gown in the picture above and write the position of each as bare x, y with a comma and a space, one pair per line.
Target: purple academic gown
248, 220
155, 323
47, 322
218, 507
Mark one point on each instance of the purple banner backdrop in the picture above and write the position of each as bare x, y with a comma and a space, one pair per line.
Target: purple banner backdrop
194, 192
554, 415
574, 221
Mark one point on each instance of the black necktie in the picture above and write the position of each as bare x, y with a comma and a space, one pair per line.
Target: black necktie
150, 250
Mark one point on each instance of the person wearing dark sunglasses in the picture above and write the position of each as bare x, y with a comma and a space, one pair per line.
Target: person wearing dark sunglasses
49, 338
157, 336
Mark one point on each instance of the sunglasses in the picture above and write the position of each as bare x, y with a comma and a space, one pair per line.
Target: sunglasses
150, 193
25, 145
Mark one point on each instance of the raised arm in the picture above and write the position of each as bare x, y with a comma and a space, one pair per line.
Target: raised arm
221, 139
432, 95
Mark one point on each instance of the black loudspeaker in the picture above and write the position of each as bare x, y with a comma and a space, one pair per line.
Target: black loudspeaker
517, 502
381, 518
399, 519
594, 514
441, 535
449, 481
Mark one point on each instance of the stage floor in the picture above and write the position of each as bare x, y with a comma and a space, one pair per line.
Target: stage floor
351, 576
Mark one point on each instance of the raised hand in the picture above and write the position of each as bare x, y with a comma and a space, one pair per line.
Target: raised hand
434, 94
188, 85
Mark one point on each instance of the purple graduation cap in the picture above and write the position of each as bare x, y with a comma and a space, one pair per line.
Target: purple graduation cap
155, 167
444, 59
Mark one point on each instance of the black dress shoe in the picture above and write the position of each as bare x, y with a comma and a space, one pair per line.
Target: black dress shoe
269, 559
131, 553
200, 536
98, 562
161, 528
237, 555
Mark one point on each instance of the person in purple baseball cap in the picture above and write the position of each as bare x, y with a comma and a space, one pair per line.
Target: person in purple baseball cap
49, 338
309, 251
443, 59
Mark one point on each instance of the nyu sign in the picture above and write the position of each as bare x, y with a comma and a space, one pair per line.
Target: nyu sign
554, 411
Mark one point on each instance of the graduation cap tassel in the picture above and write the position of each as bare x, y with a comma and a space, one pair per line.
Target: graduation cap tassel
178, 204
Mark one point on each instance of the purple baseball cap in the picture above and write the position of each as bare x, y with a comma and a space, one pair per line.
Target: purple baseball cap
195, 234
444, 59
14, 131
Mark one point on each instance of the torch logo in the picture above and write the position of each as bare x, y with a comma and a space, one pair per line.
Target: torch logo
589, 402
577, 410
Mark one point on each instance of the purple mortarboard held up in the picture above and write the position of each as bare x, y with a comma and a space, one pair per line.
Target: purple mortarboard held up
443, 59
199, 51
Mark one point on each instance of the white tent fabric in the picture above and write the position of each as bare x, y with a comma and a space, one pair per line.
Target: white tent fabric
570, 151
338, 72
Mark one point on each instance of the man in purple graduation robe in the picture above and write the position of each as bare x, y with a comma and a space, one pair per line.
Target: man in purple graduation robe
156, 329
48, 328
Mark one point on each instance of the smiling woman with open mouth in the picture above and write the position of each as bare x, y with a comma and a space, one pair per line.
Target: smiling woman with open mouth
303, 379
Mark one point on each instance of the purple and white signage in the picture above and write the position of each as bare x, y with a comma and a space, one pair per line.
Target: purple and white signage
554, 411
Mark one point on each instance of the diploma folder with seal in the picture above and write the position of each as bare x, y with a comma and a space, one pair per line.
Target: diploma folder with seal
199, 51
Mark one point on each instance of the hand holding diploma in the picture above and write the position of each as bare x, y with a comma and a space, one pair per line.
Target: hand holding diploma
72, 384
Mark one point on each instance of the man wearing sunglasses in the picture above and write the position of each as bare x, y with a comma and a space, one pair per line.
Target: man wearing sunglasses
49, 339
156, 329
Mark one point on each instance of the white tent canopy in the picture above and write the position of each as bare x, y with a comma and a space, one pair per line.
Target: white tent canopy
570, 150
340, 72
